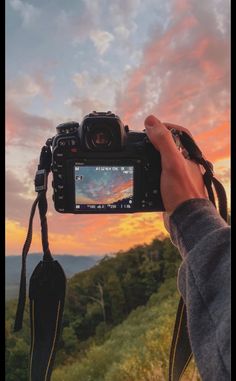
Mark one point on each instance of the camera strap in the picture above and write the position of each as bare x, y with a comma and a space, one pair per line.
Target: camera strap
46, 287
48, 282
180, 351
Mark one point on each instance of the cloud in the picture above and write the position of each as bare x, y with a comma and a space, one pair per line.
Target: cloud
89, 235
215, 142
84, 105
102, 40
183, 76
94, 92
223, 175
76, 24
28, 12
17, 204
122, 31
222, 170
15, 237
91, 16
124, 12
23, 128
83, 234
26, 87
81, 79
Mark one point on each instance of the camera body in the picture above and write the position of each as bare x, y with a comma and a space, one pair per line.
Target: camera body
101, 166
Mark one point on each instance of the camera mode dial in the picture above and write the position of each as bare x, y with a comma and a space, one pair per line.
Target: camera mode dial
67, 128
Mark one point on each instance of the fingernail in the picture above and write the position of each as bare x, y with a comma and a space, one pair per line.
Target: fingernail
150, 121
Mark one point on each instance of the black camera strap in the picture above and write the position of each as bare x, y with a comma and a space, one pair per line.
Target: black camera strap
46, 287
48, 281
22, 290
181, 352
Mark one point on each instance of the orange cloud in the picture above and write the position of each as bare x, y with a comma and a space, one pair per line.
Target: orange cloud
15, 237
215, 143
103, 234
183, 78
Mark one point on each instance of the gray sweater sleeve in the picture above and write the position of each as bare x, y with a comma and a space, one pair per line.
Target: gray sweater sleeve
203, 240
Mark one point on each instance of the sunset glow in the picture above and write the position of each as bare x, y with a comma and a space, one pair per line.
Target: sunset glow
167, 58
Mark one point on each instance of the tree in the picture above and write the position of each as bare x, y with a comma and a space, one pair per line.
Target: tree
17, 359
70, 339
100, 300
116, 297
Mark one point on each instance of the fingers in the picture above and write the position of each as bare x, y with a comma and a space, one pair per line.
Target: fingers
177, 127
160, 137
181, 179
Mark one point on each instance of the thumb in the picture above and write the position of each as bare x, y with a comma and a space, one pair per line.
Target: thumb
160, 136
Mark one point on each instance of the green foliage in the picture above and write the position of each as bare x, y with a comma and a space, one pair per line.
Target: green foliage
17, 361
117, 321
17, 346
112, 289
137, 349
116, 297
70, 339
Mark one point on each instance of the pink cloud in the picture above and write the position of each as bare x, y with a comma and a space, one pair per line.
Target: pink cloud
188, 64
26, 87
181, 5
183, 78
17, 205
26, 129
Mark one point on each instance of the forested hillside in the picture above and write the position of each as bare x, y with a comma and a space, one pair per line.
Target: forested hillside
118, 320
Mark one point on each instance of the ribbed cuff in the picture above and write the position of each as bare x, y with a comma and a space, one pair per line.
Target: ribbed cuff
191, 221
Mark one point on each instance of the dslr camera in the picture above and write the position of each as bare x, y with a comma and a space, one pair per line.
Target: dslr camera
100, 166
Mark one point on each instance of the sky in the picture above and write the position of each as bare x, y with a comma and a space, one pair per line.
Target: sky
103, 185
65, 59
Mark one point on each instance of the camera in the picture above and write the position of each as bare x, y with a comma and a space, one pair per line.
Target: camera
100, 166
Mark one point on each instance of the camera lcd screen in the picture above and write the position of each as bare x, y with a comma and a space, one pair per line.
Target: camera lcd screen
104, 188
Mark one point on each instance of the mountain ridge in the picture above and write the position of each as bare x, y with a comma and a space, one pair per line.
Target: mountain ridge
71, 264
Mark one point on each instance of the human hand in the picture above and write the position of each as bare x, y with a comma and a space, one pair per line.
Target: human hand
181, 179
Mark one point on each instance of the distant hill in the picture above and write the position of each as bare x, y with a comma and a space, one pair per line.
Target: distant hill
71, 264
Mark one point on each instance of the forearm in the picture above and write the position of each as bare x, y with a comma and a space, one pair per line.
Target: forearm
203, 239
